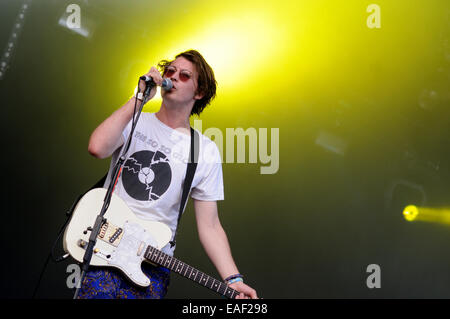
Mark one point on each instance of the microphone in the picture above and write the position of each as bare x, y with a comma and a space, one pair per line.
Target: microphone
166, 84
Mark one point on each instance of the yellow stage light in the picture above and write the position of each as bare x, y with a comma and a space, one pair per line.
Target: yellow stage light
427, 214
410, 212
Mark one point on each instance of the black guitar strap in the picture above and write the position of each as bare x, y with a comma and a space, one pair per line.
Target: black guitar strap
190, 172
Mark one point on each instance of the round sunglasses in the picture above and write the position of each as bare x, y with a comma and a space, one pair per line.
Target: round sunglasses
184, 75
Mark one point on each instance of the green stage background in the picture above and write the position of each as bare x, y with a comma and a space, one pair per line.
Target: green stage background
363, 118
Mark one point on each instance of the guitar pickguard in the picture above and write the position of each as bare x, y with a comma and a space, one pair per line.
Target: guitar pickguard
128, 255
129, 252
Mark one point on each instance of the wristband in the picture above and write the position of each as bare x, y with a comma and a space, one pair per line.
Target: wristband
139, 96
232, 281
233, 276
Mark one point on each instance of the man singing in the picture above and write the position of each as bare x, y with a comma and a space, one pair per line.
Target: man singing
152, 177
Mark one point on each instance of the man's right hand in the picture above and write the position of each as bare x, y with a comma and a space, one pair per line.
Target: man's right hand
157, 78
107, 137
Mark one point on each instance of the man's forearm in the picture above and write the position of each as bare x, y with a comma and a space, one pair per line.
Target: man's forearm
106, 137
216, 245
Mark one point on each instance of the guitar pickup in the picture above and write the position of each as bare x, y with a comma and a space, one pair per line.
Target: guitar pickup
116, 234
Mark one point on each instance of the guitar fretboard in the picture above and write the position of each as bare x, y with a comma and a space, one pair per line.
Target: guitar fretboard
158, 257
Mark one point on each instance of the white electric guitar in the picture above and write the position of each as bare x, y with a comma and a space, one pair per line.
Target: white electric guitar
125, 241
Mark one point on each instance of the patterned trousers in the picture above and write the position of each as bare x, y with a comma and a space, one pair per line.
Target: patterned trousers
110, 283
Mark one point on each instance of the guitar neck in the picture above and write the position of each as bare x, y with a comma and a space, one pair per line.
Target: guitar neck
160, 258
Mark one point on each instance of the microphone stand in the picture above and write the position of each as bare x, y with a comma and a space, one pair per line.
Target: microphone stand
100, 220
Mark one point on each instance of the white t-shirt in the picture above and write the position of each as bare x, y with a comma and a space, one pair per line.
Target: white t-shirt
152, 177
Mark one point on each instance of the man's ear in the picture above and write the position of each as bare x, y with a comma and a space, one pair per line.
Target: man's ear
199, 96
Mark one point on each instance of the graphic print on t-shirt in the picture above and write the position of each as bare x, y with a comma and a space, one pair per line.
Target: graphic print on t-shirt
146, 175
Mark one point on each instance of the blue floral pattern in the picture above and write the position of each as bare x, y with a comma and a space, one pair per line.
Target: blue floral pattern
110, 283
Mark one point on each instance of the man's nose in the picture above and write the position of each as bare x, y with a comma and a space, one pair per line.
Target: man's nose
175, 76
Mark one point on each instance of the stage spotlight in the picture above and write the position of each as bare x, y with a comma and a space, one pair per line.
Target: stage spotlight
427, 214
11, 44
410, 212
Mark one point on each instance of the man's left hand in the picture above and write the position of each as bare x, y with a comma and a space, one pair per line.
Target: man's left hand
246, 292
